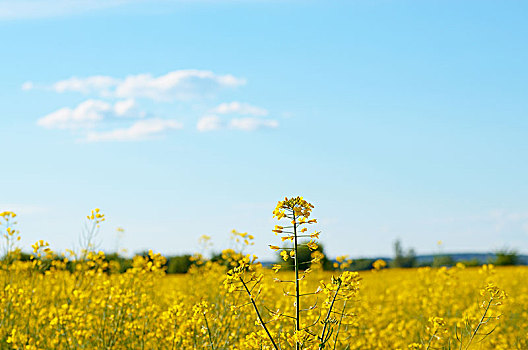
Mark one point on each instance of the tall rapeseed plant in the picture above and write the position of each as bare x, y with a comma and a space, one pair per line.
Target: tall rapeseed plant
314, 332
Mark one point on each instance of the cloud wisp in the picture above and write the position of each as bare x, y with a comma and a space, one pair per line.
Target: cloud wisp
180, 85
251, 124
209, 123
88, 114
98, 84
240, 108
214, 122
140, 130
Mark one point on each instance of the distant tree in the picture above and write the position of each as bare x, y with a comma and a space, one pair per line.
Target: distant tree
443, 260
471, 263
179, 264
424, 263
361, 264
402, 259
24, 256
122, 263
218, 258
506, 257
228, 258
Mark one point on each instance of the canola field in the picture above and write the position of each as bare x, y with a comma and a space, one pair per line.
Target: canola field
144, 309
81, 301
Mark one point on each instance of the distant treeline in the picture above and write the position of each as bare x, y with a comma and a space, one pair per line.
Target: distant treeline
410, 259
401, 259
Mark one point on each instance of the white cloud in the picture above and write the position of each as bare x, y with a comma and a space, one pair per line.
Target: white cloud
251, 124
176, 85
179, 85
89, 114
213, 122
209, 123
28, 85
140, 130
240, 108
86, 115
97, 116
127, 108
98, 84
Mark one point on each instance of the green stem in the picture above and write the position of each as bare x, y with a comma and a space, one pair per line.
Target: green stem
322, 338
258, 314
339, 325
297, 288
174, 336
430, 341
479, 324
208, 331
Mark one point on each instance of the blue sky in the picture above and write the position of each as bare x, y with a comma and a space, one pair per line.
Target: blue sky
397, 119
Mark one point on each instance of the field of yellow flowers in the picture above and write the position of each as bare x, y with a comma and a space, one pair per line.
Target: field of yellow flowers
81, 301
